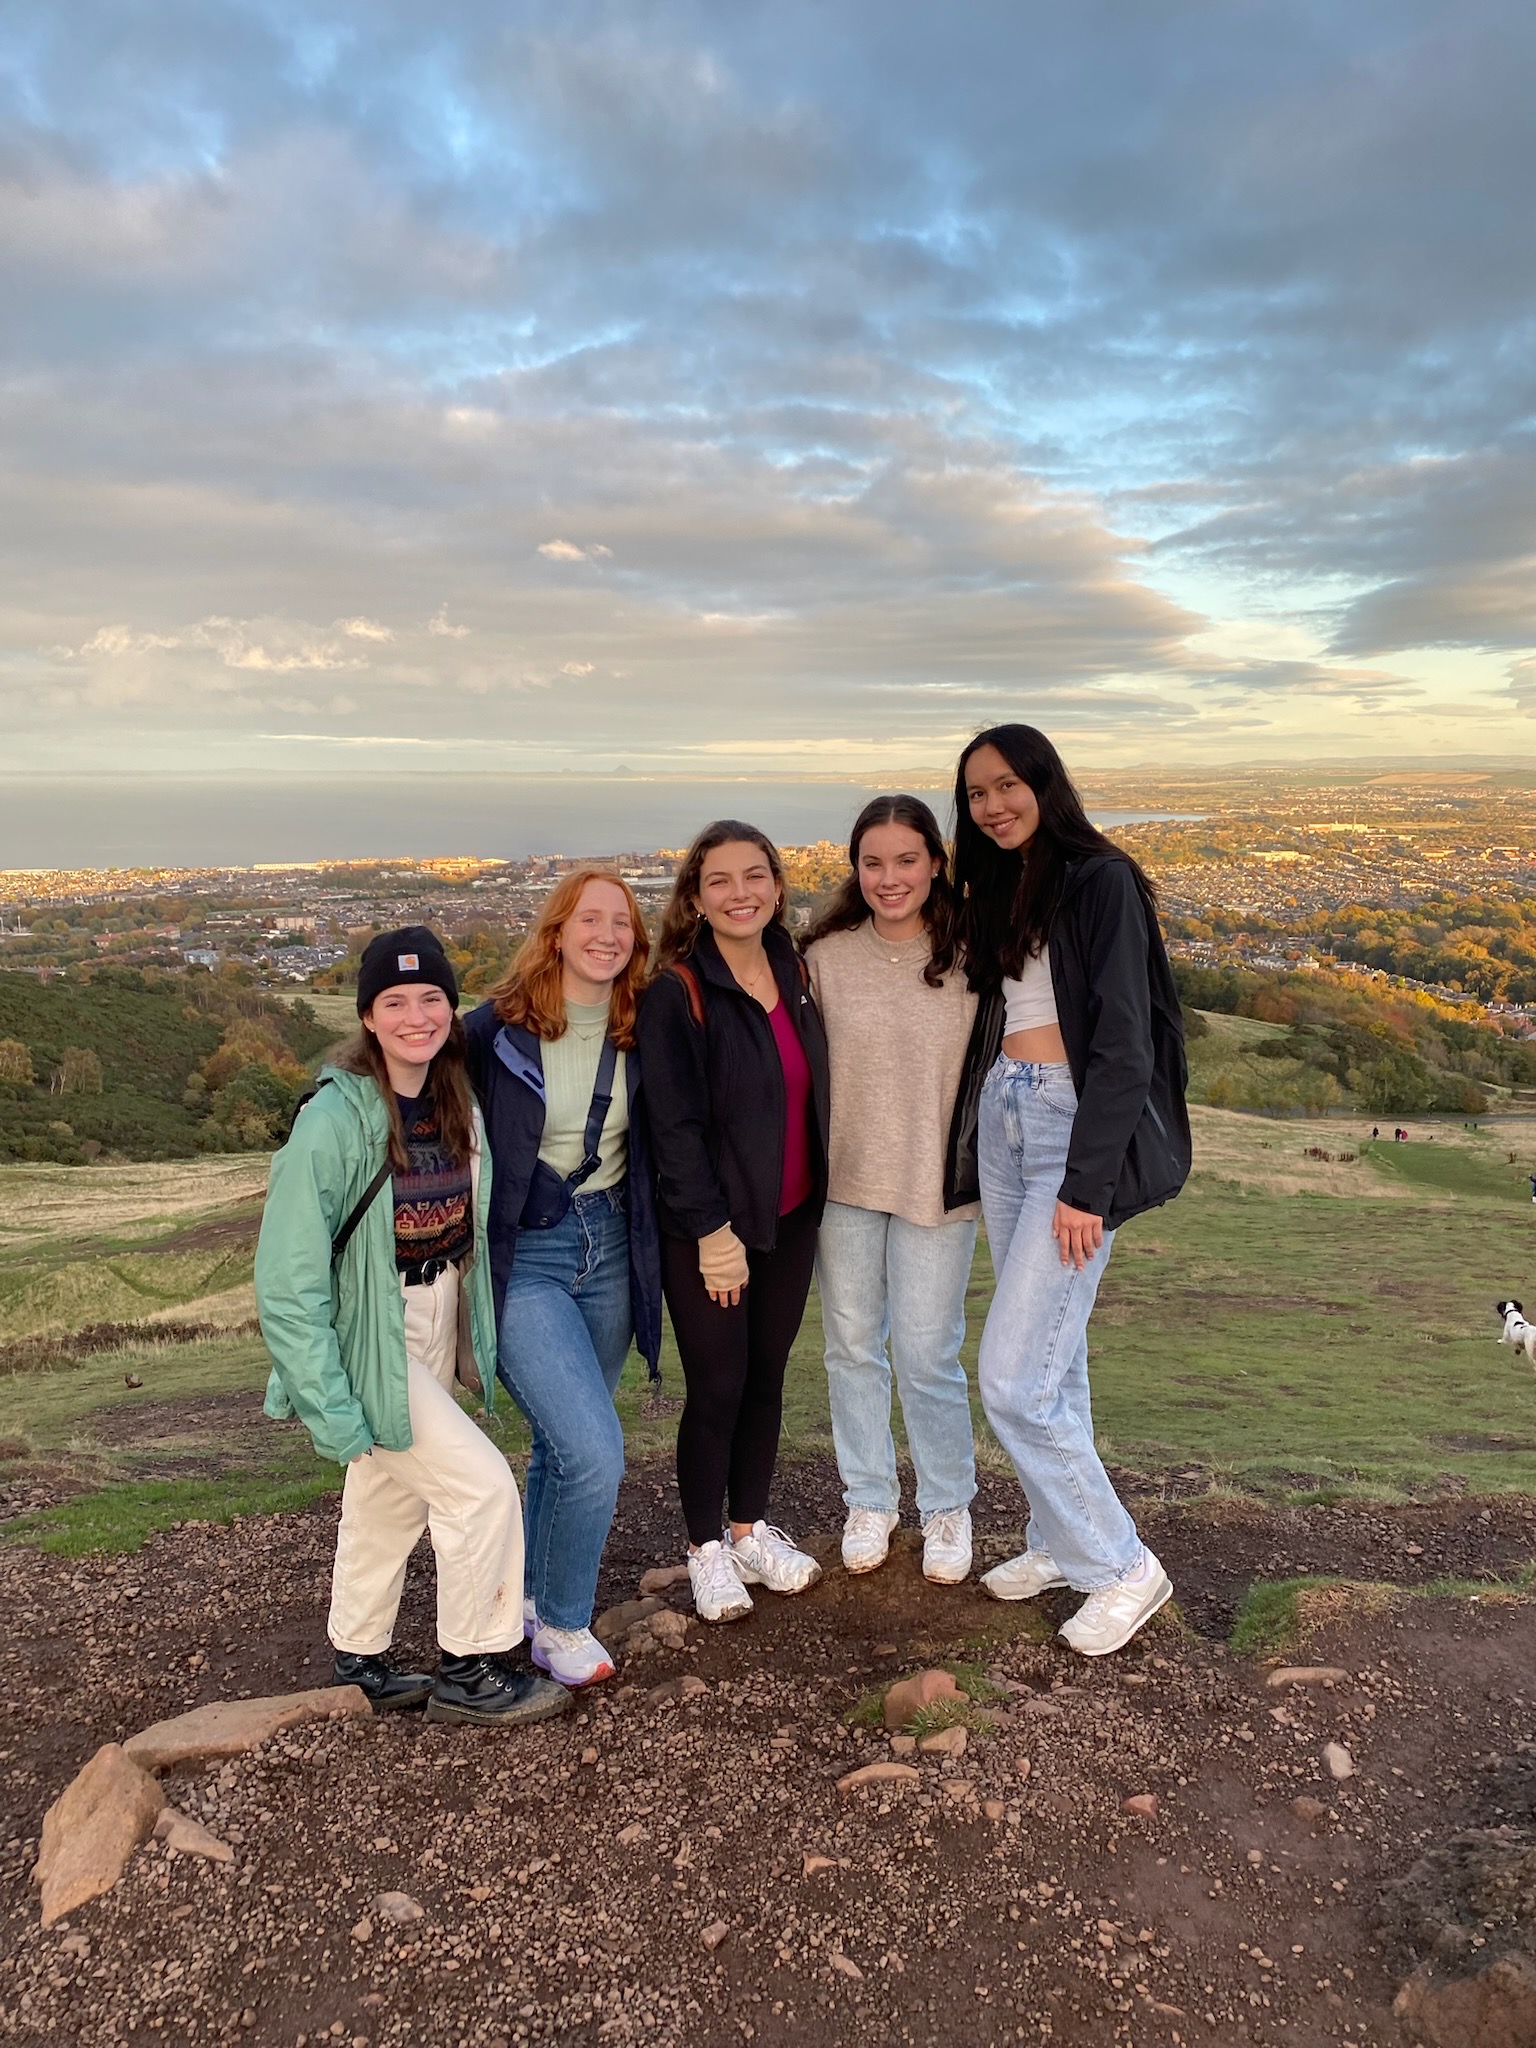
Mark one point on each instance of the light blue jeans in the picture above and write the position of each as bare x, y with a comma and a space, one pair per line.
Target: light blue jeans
893, 1295
1033, 1368
565, 1330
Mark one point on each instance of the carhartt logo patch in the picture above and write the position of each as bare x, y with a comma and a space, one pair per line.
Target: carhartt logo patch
409, 963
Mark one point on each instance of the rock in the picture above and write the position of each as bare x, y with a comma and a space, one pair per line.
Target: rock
908, 1696
1309, 1809
92, 1828
589, 1755
845, 1966
879, 1774
1495, 2009
232, 1727
363, 1931
993, 1808
632, 1833
1340, 1763
662, 1577
714, 1934
885, 1650
685, 1688
956, 1788
189, 1837
943, 1742
399, 1907
481, 1892
903, 1745
614, 1623
816, 1863
1143, 1803
1306, 1674
1023, 1766
1040, 1710
669, 1628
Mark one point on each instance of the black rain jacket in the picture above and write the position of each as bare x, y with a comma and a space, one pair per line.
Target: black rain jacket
1124, 1034
714, 1094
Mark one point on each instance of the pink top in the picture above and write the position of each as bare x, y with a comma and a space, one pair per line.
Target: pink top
798, 1182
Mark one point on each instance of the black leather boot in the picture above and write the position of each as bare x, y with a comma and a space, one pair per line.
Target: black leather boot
497, 1694
387, 1689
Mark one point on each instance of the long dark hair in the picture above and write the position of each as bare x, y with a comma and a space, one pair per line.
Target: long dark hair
848, 908
1008, 900
680, 920
447, 1087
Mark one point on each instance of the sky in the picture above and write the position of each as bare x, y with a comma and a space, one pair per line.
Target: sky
773, 388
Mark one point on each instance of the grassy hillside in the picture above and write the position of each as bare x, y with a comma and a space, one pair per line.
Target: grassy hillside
145, 1066
1312, 1317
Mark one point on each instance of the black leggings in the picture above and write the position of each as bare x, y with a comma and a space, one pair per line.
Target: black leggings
733, 1363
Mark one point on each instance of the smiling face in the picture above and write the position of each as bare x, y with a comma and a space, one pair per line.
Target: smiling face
1001, 802
896, 873
737, 894
597, 941
411, 1023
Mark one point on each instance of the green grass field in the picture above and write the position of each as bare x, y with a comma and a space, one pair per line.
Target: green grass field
1293, 1324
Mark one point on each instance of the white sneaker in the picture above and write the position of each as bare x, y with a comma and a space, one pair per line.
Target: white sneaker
574, 1656
530, 1620
766, 1557
1024, 1577
947, 1547
867, 1539
718, 1594
1106, 1621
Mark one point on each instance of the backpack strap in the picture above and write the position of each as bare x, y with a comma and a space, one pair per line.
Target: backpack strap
695, 994
597, 1116
365, 1202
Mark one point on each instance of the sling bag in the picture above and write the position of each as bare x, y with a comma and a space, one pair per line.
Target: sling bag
365, 1201
549, 1193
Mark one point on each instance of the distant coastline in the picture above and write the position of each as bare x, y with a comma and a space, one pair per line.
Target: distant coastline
106, 822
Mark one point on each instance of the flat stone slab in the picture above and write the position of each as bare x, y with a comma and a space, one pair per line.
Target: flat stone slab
92, 1828
231, 1727
188, 1837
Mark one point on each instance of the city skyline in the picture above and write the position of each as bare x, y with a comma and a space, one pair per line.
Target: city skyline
789, 392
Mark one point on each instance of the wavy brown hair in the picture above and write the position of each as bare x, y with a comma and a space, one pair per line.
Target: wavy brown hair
447, 1087
848, 908
531, 992
681, 919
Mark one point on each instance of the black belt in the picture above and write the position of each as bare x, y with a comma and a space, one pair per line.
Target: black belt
426, 1272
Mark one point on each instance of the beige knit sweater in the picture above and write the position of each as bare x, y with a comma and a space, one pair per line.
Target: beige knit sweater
897, 1048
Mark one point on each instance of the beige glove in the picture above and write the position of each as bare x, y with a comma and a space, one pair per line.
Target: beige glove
723, 1265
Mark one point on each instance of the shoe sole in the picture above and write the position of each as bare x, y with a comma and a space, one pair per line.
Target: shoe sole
406, 1705
946, 1578
1109, 1649
572, 1684
1050, 1586
513, 1717
726, 1614
869, 1564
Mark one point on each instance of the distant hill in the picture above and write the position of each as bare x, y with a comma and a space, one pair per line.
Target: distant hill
147, 1066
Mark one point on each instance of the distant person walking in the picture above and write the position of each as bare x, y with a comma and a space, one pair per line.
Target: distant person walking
574, 1261
372, 1307
736, 1093
1071, 1120
892, 1259
1532, 1179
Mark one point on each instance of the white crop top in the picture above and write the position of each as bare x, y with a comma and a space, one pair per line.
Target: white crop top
1030, 1000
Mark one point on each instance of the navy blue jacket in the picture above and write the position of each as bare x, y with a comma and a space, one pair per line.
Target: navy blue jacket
511, 1096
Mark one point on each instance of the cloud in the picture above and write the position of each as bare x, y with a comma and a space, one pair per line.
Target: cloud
439, 625
364, 629
567, 551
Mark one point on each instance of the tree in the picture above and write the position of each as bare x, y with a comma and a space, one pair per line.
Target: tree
79, 1072
16, 1063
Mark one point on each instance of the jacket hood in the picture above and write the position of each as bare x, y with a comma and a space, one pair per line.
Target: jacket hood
358, 1092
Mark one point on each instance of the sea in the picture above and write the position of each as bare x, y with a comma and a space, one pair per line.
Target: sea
55, 822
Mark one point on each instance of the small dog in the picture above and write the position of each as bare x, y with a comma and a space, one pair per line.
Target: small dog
1517, 1332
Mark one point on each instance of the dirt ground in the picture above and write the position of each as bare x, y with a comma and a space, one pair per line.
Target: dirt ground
568, 1873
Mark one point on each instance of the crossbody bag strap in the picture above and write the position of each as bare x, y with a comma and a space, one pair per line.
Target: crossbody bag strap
597, 1116
343, 1236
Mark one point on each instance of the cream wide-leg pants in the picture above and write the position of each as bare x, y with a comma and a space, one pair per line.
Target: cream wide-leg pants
452, 1481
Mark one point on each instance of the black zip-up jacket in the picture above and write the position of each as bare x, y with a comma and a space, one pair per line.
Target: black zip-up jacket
1124, 1034
714, 1094
510, 1087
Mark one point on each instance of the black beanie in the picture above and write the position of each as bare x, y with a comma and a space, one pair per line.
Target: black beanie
411, 954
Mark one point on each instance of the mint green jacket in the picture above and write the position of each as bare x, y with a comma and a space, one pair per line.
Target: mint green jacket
336, 1337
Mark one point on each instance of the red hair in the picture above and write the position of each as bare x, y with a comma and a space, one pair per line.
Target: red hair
532, 993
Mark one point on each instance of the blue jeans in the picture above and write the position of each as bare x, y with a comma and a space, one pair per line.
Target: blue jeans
1033, 1369
893, 1296
565, 1330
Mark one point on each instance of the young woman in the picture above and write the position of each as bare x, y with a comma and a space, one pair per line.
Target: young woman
892, 1259
573, 1252
375, 1297
736, 1069
1076, 1080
